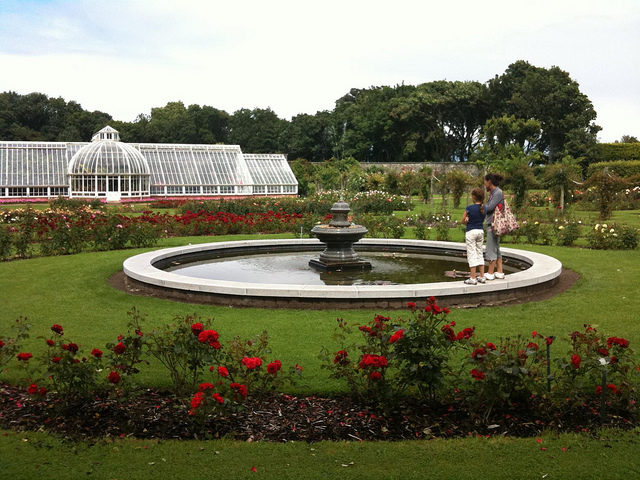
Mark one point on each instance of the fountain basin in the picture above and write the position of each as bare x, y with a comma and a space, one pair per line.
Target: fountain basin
144, 275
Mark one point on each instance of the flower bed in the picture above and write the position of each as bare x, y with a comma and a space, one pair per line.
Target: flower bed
417, 377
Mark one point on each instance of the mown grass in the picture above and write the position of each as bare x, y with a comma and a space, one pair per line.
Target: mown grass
25, 456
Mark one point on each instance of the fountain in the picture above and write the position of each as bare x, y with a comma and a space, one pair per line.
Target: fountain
288, 273
339, 236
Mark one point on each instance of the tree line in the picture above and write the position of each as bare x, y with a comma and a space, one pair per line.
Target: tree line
530, 113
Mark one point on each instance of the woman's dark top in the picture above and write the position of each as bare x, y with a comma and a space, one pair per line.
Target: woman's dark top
476, 218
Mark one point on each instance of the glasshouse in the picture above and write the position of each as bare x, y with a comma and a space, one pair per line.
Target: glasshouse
114, 170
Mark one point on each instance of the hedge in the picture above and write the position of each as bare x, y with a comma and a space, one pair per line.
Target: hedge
612, 152
622, 168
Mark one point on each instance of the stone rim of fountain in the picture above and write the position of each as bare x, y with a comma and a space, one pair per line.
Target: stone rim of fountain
142, 273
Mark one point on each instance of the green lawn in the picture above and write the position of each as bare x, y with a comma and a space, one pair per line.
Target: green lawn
73, 291
26, 456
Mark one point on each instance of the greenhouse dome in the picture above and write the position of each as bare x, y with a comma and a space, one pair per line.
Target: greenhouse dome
106, 167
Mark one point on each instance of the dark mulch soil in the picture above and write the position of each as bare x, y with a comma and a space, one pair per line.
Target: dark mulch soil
286, 418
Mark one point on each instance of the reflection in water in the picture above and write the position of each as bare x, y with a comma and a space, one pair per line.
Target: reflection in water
293, 268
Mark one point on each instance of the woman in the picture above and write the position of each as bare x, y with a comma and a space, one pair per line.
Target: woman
492, 183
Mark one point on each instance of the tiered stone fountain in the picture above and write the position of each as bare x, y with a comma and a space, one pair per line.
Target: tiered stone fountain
339, 236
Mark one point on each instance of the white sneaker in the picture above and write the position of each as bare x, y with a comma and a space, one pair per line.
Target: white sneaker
481, 280
489, 276
499, 275
471, 281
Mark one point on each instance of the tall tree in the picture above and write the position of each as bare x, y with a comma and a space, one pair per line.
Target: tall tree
257, 131
550, 96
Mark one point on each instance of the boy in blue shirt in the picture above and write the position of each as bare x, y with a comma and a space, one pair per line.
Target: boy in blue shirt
474, 237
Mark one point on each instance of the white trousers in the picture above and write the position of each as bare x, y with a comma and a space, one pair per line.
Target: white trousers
474, 239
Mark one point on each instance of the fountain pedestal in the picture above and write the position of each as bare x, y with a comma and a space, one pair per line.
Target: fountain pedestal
339, 236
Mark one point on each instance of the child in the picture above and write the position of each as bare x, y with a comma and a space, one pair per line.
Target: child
474, 217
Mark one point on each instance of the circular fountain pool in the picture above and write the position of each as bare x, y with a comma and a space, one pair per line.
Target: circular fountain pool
275, 274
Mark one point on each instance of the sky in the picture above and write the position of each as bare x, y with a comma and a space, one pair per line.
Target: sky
125, 57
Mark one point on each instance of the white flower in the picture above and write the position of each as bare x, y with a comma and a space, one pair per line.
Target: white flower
536, 223
611, 231
560, 227
615, 234
604, 225
603, 361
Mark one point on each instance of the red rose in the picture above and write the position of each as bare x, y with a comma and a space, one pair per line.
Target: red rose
120, 337
477, 374
621, 342
218, 398
431, 299
427, 308
396, 336
223, 372
2, 344
57, 329
376, 361
603, 351
610, 386
113, 377
490, 346
274, 366
368, 330
32, 389
120, 348
196, 328
298, 367
70, 347
575, 360
24, 356
196, 401
251, 362
448, 332
375, 375
479, 352
446, 311
239, 389
532, 346
411, 305
613, 359
56, 359
534, 334
465, 333
205, 386
50, 342
549, 340
96, 352
341, 357
209, 337
42, 391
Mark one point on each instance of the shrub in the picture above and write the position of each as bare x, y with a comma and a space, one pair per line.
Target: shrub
423, 352
606, 186
71, 374
184, 350
11, 345
579, 371
566, 233
506, 372
392, 356
613, 237
6, 242
442, 224
457, 182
